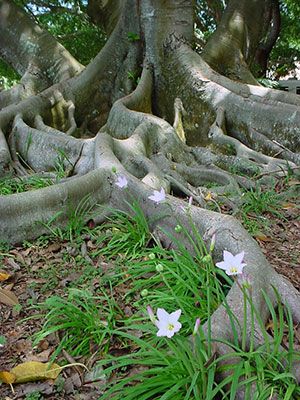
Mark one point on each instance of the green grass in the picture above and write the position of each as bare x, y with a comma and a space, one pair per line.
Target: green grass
19, 185
77, 224
260, 200
85, 320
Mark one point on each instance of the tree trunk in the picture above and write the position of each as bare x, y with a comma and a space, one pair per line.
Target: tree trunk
233, 45
32, 52
104, 120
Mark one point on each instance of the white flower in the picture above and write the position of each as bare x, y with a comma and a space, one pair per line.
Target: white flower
121, 182
167, 324
232, 265
157, 196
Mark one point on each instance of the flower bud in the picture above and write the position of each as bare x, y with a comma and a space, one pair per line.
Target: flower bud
159, 268
207, 259
245, 280
196, 327
212, 243
151, 256
178, 228
151, 314
144, 293
114, 169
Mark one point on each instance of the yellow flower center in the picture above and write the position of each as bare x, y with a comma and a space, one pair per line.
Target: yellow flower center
171, 327
233, 269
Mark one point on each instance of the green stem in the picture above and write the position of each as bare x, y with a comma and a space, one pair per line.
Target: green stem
208, 317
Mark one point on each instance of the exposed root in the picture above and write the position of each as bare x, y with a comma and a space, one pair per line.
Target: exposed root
5, 157
71, 119
220, 139
27, 143
176, 186
41, 126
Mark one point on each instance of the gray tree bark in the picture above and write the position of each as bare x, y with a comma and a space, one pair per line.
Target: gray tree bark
102, 120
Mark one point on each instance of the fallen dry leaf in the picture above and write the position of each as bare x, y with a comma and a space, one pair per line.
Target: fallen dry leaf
34, 371
287, 205
263, 238
292, 182
7, 377
4, 276
8, 297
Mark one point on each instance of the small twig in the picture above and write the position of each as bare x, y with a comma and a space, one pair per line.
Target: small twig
71, 360
281, 145
273, 172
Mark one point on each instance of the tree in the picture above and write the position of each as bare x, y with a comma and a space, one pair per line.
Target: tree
102, 118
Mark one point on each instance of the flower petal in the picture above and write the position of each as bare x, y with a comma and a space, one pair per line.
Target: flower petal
162, 314
240, 257
228, 257
177, 326
222, 265
174, 316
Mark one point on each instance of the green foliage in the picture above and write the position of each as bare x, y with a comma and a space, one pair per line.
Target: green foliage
8, 77
132, 37
287, 47
260, 199
62, 166
269, 366
268, 83
126, 233
81, 38
34, 396
68, 22
84, 321
169, 368
19, 185
77, 220
2, 340
134, 77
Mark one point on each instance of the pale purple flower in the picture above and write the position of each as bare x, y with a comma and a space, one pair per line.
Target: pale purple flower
232, 265
196, 327
151, 314
122, 182
186, 210
167, 324
158, 197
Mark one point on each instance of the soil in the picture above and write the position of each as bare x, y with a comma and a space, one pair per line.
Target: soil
36, 271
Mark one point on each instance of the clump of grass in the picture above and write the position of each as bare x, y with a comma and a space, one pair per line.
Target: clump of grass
126, 233
19, 185
84, 320
77, 225
260, 200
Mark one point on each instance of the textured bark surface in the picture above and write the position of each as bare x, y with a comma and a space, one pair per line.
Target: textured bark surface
102, 119
32, 52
